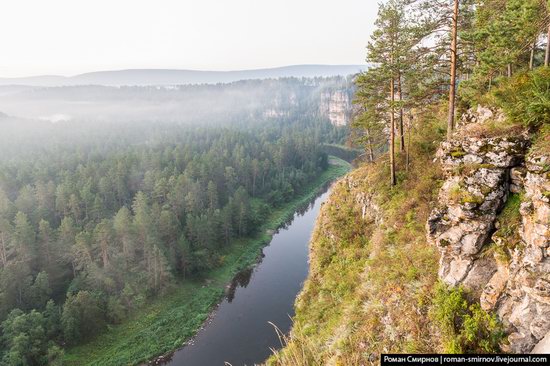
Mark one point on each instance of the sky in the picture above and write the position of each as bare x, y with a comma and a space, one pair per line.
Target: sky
68, 37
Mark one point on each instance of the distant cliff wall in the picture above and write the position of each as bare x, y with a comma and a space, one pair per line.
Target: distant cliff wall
337, 106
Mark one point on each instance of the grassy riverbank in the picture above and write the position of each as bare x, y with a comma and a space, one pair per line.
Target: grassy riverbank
167, 322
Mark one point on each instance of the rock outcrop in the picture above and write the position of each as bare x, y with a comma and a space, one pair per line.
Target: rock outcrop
480, 174
336, 105
480, 115
522, 300
476, 188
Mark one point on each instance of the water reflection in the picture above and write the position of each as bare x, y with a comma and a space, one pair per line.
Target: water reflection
241, 279
305, 207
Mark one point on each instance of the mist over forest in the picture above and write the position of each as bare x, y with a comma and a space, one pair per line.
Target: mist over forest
199, 104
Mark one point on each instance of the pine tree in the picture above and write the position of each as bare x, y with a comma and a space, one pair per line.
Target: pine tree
387, 50
122, 223
103, 237
25, 239
504, 33
452, 83
46, 238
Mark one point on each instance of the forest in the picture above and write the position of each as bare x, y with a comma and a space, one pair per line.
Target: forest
99, 217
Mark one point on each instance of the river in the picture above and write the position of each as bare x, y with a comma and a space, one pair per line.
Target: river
238, 331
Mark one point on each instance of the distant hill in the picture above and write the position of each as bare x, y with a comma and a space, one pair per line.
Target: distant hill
178, 77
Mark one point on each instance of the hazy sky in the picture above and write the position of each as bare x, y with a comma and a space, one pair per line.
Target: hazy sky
73, 36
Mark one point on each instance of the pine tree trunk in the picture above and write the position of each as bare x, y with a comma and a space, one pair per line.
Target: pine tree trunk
401, 128
155, 270
392, 132
104, 256
161, 272
125, 252
3, 255
547, 54
369, 144
47, 248
408, 156
532, 57
452, 90
148, 261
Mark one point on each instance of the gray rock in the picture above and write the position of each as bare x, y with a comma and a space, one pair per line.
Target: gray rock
495, 287
480, 174
543, 346
482, 272
540, 327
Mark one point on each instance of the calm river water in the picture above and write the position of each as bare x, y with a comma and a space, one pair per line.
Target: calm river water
239, 332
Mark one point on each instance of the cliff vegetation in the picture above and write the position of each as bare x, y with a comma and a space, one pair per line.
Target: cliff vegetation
439, 241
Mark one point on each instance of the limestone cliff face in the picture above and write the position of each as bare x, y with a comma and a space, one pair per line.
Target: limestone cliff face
332, 102
336, 105
481, 172
520, 290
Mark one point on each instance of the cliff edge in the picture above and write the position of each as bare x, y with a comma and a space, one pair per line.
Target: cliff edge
453, 259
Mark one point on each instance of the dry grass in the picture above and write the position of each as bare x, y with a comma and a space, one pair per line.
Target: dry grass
492, 128
542, 141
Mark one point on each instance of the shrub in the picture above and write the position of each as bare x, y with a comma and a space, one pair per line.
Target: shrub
465, 328
526, 97
473, 92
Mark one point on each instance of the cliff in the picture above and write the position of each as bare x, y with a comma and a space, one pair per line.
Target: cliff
330, 99
505, 265
453, 259
336, 105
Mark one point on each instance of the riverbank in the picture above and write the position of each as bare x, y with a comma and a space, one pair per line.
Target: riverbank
166, 323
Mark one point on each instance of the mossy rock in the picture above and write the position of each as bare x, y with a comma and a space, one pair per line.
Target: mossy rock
458, 154
485, 190
470, 198
484, 149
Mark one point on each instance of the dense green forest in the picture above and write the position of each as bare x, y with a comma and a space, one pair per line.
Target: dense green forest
98, 217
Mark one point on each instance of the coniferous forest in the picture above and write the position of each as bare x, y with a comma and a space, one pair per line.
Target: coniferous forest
99, 217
